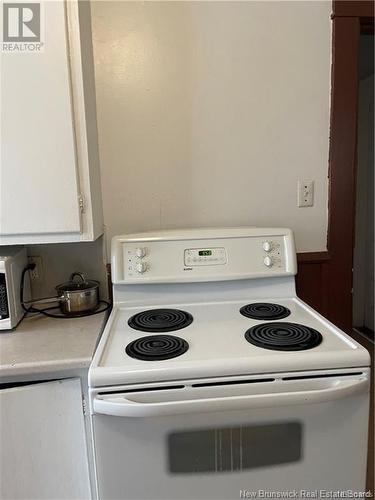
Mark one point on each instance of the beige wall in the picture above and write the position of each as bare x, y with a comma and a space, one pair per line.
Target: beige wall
209, 113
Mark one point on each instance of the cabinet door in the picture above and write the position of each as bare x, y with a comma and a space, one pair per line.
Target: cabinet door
43, 445
39, 184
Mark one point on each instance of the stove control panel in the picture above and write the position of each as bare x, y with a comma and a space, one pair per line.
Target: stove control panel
203, 255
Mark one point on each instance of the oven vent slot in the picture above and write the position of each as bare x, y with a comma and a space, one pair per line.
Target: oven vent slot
146, 389
328, 375
233, 382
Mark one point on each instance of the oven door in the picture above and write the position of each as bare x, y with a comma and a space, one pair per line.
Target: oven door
233, 438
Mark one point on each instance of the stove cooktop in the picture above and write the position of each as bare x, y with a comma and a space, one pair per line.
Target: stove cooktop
218, 339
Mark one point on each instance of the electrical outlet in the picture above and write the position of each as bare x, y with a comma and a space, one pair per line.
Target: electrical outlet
305, 193
37, 272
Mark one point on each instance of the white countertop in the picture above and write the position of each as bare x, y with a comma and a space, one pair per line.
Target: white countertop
40, 344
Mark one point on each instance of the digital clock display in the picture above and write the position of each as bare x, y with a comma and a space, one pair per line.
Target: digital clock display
204, 253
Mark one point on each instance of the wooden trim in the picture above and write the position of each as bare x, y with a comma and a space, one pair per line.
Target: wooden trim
312, 257
309, 282
353, 8
367, 26
337, 272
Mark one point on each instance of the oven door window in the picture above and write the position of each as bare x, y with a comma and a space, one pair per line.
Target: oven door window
234, 448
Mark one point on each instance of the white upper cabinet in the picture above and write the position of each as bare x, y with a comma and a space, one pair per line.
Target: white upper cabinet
49, 178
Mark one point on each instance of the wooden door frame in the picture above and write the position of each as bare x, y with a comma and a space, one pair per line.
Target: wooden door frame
325, 279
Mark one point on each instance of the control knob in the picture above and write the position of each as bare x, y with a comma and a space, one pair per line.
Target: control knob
140, 252
268, 261
141, 267
267, 246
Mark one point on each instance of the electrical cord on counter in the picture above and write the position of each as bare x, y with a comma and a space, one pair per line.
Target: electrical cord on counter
35, 310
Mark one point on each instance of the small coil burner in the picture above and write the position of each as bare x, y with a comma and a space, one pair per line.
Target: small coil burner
283, 336
264, 310
160, 320
157, 347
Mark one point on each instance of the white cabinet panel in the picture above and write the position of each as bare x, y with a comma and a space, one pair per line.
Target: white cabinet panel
39, 187
43, 445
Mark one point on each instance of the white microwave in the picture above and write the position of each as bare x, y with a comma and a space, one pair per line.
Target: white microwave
12, 262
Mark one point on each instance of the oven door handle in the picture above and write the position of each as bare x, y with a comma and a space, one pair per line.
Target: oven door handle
121, 404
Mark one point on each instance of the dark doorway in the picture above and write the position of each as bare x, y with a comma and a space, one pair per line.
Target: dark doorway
363, 258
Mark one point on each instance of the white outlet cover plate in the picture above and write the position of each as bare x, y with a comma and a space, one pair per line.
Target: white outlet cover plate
305, 193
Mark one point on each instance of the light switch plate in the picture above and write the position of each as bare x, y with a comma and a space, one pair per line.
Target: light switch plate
305, 193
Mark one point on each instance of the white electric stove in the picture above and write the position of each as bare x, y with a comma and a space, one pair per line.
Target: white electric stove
212, 380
